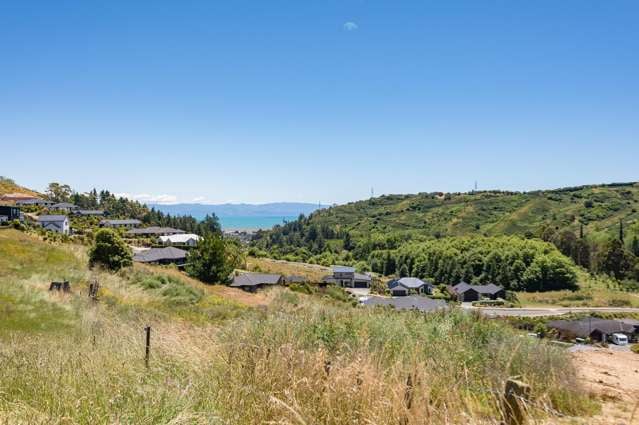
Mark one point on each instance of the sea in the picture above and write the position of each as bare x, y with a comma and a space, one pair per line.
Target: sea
252, 222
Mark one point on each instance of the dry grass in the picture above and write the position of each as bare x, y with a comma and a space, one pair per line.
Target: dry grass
312, 272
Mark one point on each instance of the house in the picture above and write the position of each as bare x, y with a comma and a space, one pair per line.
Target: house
168, 255
126, 223
55, 223
465, 292
64, 206
16, 196
412, 302
88, 213
406, 285
34, 202
345, 276
594, 328
9, 213
186, 239
253, 281
154, 231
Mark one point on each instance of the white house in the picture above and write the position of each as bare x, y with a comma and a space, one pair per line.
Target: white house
188, 239
55, 223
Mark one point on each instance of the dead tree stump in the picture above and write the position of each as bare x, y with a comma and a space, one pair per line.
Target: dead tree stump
60, 286
514, 408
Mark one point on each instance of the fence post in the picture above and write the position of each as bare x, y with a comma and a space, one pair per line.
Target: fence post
147, 345
514, 408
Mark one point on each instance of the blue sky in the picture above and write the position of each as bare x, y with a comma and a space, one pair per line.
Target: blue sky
261, 101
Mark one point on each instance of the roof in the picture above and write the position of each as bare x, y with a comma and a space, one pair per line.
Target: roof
491, 288
89, 212
360, 276
255, 279
49, 218
154, 230
181, 238
121, 222
585, 327
64, 205
32, 201
158, 254
343, 269
295, 279
408, 282
423, 304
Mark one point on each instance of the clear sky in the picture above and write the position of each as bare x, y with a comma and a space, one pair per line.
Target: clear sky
307, 100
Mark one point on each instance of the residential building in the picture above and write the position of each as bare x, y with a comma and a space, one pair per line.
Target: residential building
15, 197
347, 277
55, 223
88, 213
412, 302
294, 279
185, 239
34, 202
407, 285
253, 281
9, 213
64, 206
595, 328
125, 223
168, 255
154, 231
465, 292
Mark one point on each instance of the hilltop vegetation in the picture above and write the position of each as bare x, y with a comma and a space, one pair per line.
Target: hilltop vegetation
7, 186
582, 222
299, 359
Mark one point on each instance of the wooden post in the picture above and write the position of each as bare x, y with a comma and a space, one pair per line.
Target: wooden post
148, 345
514, 408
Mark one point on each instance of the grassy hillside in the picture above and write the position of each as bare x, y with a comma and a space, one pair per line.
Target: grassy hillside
598, 208
9, 186
296, 359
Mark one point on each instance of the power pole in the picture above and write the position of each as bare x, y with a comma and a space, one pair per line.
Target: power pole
372, 192
475, 185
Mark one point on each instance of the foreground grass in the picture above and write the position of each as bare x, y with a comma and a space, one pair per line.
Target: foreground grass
301, 359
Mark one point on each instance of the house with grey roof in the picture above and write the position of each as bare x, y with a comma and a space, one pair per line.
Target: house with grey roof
595, 328
55, 223
408, 285
168, 255
125, 223
64, 206
347, 277
253, 281
465, 292
88, 213
423, 304
36, 202
154, 231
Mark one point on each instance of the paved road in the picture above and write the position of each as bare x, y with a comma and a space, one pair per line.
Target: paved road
547, 311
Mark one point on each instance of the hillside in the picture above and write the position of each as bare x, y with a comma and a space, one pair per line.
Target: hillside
295, 359
9, 186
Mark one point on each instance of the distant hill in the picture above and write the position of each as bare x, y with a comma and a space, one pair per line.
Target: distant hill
275, 209
8, 186
599, 208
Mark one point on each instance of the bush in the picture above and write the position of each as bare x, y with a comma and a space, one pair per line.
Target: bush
109, 251
635, 348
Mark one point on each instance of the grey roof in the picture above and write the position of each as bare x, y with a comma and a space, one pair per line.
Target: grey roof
32, 201
343, 269
408, 282
154, 230
584, 327
64, 205
423, 304
360, 276
89, 212
255, 279
158, 254
49, 218
482, 289
121, 222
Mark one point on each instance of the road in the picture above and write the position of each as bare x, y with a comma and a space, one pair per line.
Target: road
546, 311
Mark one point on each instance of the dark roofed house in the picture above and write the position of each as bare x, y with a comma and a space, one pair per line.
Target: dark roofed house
154, 231
253, 281
168, 255
64, 206
347, 277
406, 285
9, 213
37, 202
594, 328
88, 213
465, 292
126, 223
412, 302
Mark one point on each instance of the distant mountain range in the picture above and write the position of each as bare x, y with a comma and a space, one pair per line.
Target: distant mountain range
274, 209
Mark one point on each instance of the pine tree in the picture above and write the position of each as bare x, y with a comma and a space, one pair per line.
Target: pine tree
634, 246
621, 230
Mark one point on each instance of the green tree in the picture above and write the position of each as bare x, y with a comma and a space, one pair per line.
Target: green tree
213, 259
109, 251
348, 242
57, 192
634, 246
614, 259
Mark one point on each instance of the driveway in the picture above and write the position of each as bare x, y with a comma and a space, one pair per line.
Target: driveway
359, 292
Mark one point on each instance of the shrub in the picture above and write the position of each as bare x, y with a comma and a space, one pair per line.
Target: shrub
109, 251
